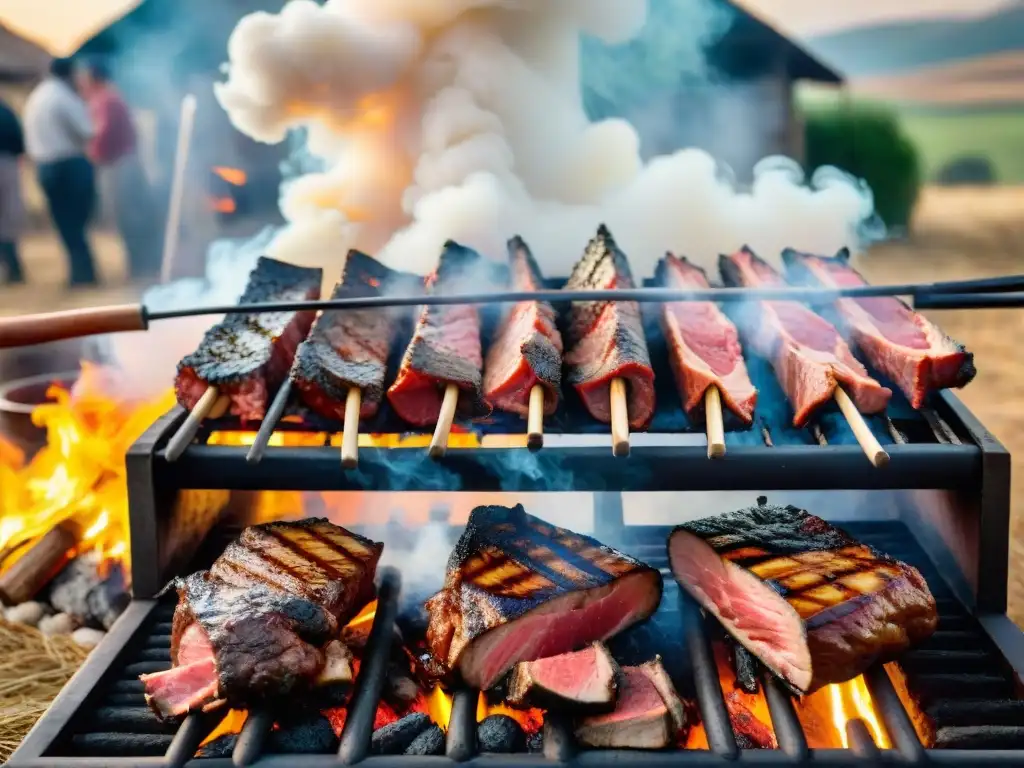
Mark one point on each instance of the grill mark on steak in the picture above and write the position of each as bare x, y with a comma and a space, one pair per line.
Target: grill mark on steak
807, 353
247, 356
606, 338
813, 604
512, 572
901, 343
349, 347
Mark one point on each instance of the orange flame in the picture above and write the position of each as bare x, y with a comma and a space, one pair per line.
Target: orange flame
223, 205
531, 720
439, 707
236, 177
853, 700
365, 616
232, 723
79, 475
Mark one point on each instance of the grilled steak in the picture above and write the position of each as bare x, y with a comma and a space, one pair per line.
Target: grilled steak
349, 348
247, 356
809, 356
704, 347
814, 605
584, 679
899, 342
445, 347
527, 349
259, 624
519, 589
640, 720
606, 338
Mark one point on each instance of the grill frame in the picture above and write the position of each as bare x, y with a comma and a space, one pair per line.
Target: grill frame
62, 718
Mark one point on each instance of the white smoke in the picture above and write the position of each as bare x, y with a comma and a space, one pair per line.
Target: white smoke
464, 119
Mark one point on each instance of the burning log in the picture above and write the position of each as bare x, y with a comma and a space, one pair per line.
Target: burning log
83, 591
44, 560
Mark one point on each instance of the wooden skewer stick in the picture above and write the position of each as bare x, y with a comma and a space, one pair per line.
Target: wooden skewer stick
535, 418
872, 448
620, 418
714, 423
350, 432
187, 431
439, 443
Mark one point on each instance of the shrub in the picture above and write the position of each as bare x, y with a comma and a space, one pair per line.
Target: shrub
967, 170
867, 141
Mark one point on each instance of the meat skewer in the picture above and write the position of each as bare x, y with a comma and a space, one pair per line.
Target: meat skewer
523, 370
441, 370
705, 352
246, 356
812, 362
340, 369
608, 361
899, 342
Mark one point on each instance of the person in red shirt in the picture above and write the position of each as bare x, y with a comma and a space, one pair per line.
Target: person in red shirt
124, 189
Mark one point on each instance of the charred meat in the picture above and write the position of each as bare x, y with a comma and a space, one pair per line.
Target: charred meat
349, 347
247, 356
527, 349
260, 623
896, 340
606, 338
704, 346
445, 347
584, 679
519, 589
814, 605
808, 354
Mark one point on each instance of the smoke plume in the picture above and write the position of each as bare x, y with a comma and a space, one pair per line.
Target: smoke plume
464, 119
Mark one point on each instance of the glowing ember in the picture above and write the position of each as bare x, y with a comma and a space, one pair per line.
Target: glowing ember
223, 205
439, 707
825, 713
232, 723
236, 177
531, 720
79, 475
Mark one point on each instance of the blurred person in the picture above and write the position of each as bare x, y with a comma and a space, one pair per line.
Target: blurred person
57, 132
124, 188
12, 147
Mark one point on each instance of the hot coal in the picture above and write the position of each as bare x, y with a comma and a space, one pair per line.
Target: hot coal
400, 690
310, 736
535, 742
429, 742
810, 602
501, 734
519, 589
222, 746
80, 590
394, 738
748, 730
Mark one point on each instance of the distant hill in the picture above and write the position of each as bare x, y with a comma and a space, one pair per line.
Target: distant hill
904, 46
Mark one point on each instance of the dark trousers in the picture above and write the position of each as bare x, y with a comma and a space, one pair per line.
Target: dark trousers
70, 189
10, 264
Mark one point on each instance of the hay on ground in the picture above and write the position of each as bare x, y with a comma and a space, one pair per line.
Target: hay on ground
33, 669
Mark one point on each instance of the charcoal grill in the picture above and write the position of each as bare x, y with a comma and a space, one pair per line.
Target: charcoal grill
942, 504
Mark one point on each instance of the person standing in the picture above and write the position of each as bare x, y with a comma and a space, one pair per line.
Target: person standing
12, 147
123, 185
57, 131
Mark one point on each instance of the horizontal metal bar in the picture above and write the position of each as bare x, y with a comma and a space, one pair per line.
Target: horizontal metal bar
969, 300
643, 295
684, 468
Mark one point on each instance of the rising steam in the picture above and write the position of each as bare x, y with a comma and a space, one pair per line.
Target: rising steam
463, 119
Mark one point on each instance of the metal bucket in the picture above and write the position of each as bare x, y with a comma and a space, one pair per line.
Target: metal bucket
18, 399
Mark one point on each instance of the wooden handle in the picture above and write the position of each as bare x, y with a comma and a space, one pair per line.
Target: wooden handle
620, 418
26, 330
535, 418
350, 433
34, 570
439, 443
210, 405
872, 448
713, 422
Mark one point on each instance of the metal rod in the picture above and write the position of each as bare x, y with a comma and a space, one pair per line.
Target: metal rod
713, 712
861, 743
250, 740
889, 706
461, 742
969, 300
186, 741
785, 723
269, 423
355, 738
933, 292
559, 744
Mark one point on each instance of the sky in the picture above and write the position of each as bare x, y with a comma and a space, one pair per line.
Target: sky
811, 17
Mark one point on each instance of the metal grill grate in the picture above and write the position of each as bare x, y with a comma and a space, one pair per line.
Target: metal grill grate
961, 679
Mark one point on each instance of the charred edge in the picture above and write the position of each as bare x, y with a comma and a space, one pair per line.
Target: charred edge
362, 271
518, 249
967, 371
746, 668
662, 273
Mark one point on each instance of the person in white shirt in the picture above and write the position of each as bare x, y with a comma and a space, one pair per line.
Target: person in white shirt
57, 131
